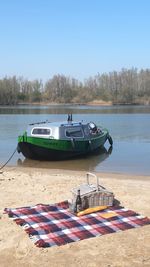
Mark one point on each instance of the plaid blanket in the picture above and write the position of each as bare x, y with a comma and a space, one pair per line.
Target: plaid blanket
55, 225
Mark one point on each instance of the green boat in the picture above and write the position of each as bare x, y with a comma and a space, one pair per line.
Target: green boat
61, 140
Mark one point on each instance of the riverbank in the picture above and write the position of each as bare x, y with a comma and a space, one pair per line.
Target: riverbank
91, 103
29, 186
94, 102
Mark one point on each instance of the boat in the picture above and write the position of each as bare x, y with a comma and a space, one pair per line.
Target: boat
62, 140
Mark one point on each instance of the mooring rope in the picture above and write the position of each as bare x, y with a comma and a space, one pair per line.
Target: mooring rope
8, 159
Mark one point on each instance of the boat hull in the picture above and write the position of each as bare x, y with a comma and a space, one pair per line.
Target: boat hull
50, 149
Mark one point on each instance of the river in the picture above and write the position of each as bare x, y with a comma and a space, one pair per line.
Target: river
129, 127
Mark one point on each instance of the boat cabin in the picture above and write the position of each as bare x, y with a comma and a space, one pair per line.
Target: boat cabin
66, 130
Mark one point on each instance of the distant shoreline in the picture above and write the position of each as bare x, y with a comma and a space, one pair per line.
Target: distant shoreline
91, 103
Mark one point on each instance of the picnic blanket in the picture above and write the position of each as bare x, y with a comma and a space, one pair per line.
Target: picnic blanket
55, 225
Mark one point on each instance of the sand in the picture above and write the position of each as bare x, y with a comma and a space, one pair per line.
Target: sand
22, 186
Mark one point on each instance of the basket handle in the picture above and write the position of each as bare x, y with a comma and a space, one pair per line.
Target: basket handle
92, 174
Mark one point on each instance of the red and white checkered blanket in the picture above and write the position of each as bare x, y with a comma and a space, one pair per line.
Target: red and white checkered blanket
55, 225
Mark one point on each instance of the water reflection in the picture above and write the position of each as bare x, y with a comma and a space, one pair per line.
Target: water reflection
88, 163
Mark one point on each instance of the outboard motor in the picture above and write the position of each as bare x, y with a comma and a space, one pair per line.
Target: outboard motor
93, 127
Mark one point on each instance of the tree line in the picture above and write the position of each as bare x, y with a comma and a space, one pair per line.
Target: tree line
128, 86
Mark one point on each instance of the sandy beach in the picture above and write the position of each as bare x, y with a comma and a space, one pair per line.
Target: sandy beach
22, 186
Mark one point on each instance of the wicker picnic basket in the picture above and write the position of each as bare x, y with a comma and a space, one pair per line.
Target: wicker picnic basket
93, 194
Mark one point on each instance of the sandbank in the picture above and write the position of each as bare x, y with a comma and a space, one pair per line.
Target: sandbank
29, 186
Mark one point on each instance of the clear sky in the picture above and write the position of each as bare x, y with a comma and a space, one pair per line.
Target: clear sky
77, 38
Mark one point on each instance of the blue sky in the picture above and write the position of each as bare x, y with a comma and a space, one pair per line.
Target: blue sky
77, 38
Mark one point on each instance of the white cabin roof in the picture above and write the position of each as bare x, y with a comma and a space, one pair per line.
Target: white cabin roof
52, 129
56, 124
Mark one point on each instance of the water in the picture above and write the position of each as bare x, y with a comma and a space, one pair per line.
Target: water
129, 127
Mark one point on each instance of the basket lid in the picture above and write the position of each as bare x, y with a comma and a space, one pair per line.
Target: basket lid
84, 189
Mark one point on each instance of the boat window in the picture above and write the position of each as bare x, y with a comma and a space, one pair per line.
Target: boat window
74, 132
86, 130
41, 131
